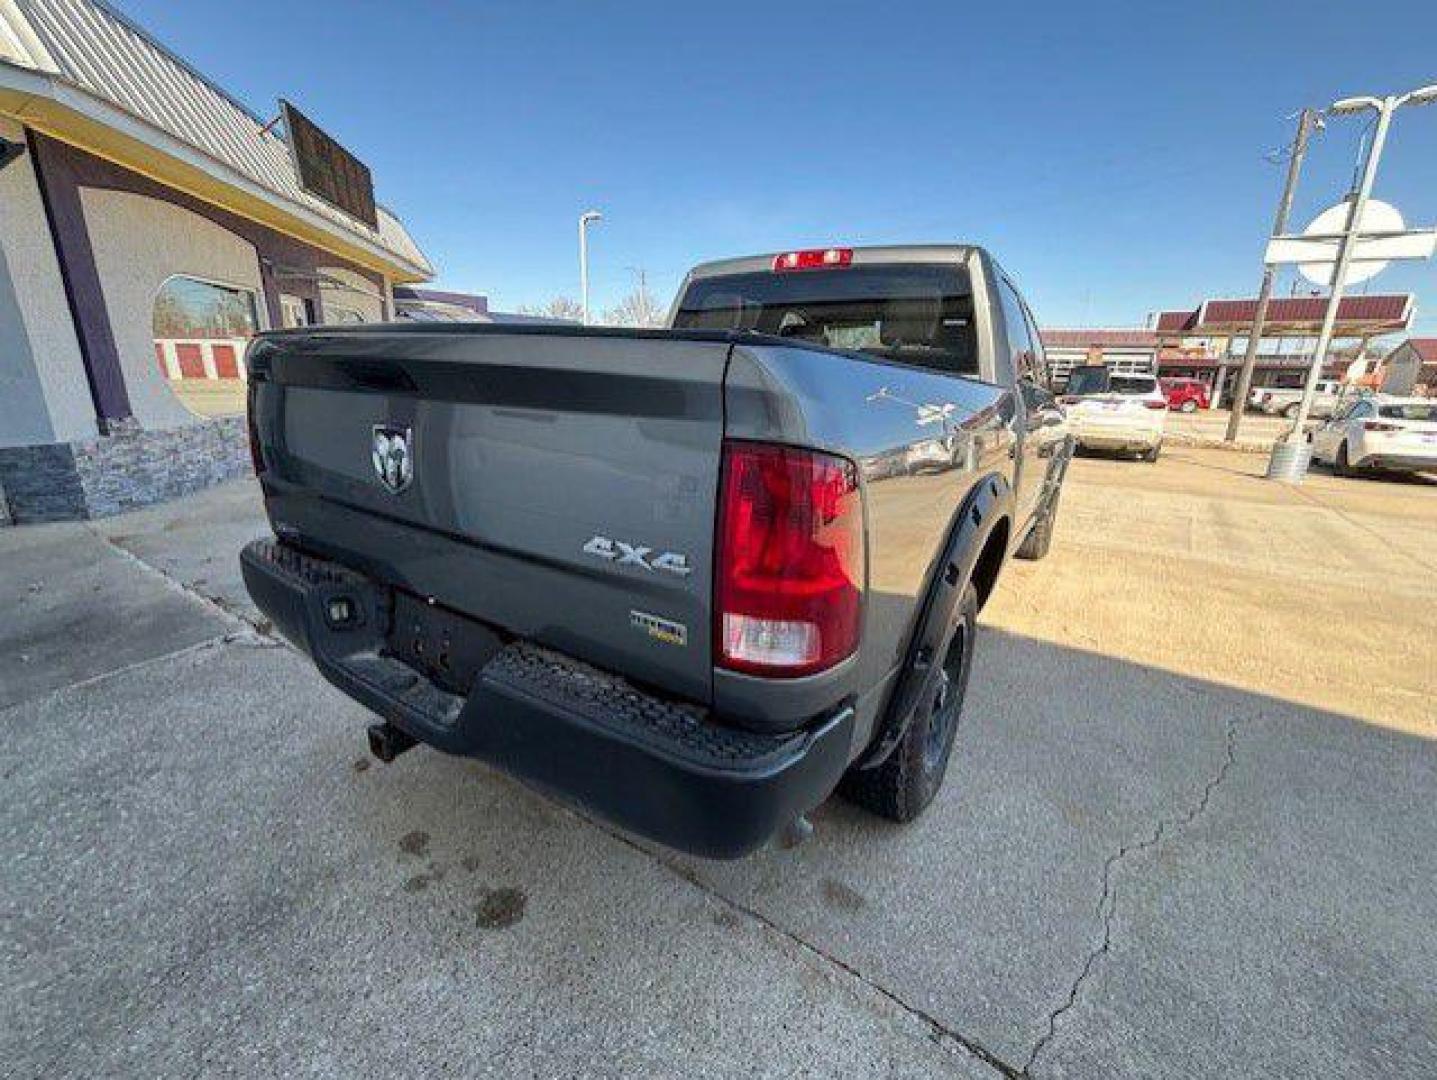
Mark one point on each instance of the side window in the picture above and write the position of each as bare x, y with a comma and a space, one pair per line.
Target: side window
1015, 325
1361, 411
1040, 356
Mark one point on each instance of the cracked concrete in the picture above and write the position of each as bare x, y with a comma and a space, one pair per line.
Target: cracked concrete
1108, 900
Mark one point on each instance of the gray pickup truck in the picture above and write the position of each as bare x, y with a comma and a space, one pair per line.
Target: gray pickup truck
692, 579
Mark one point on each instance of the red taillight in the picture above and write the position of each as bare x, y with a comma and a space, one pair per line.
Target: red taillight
1155, 404
816, 259
789, 568
1378, 425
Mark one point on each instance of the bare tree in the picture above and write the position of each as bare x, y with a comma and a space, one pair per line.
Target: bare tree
561, 307
639, 308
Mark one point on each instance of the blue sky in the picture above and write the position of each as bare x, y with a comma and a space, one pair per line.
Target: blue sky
1112, 156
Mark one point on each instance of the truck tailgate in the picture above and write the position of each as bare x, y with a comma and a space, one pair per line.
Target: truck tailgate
562, 484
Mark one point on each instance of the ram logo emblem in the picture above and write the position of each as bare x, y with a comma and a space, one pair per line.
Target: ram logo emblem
392, 452
626, 554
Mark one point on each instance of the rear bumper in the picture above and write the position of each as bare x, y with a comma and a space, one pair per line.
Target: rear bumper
660, 768
1398, 462
1117, 438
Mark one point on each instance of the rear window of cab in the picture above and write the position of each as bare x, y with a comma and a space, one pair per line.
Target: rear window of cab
907, 313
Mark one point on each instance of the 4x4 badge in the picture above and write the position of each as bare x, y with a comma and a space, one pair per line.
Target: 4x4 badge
638, 555
393, 456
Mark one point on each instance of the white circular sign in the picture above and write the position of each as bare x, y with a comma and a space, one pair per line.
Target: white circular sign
1377, 217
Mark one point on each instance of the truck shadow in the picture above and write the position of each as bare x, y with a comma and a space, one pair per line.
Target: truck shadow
1185, 843
1138, 871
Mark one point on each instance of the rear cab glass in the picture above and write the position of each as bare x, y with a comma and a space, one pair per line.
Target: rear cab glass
907, 313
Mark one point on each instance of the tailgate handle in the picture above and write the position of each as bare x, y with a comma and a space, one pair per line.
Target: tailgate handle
367, 376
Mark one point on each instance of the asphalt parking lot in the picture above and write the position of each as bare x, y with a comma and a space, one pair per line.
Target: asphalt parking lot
1189, 831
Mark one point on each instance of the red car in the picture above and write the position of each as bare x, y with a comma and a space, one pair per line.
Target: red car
1185, 395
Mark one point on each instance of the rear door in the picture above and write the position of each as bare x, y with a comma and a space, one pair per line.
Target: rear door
1024, 357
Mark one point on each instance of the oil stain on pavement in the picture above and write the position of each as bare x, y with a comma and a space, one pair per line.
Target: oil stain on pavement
498, 908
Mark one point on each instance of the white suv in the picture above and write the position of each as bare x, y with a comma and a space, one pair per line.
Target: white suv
1111, 411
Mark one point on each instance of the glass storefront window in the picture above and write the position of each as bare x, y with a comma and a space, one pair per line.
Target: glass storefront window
201, 329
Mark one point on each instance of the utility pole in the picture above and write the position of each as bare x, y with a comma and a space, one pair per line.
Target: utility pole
1307, 120
585, 219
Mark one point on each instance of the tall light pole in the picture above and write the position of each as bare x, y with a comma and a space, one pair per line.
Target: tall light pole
1290, 457
1307, 120
587, 218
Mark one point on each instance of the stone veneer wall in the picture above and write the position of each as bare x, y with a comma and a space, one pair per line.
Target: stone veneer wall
123, 471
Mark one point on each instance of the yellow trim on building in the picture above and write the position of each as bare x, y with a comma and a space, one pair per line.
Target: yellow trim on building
59, 120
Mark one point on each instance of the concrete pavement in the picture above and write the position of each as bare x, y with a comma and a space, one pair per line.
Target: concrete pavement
1151, 859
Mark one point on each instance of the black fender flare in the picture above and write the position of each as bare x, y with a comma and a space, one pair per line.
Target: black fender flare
988, 502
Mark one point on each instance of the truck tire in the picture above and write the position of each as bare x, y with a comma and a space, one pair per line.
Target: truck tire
1040, 537
903, 786
1292, 410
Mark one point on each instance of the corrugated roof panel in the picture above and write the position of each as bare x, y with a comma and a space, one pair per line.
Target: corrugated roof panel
1353, 309
1175, 322
1391, 311
100, 51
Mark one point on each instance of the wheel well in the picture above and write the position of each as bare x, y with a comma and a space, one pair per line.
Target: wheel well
990, 561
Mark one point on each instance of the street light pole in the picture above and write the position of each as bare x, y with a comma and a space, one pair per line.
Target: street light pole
585, 219
1306, 121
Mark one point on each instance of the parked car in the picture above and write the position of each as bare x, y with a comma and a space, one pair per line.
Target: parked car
1379, 432
684, 578
1282, 401
1184, 394
1109, 411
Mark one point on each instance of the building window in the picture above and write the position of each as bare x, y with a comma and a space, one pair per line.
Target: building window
201, 329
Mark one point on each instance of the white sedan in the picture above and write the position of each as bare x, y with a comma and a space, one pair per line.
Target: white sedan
1109, 411
1379, 432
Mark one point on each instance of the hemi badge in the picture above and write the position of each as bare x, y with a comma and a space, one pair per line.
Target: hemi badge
665, 630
